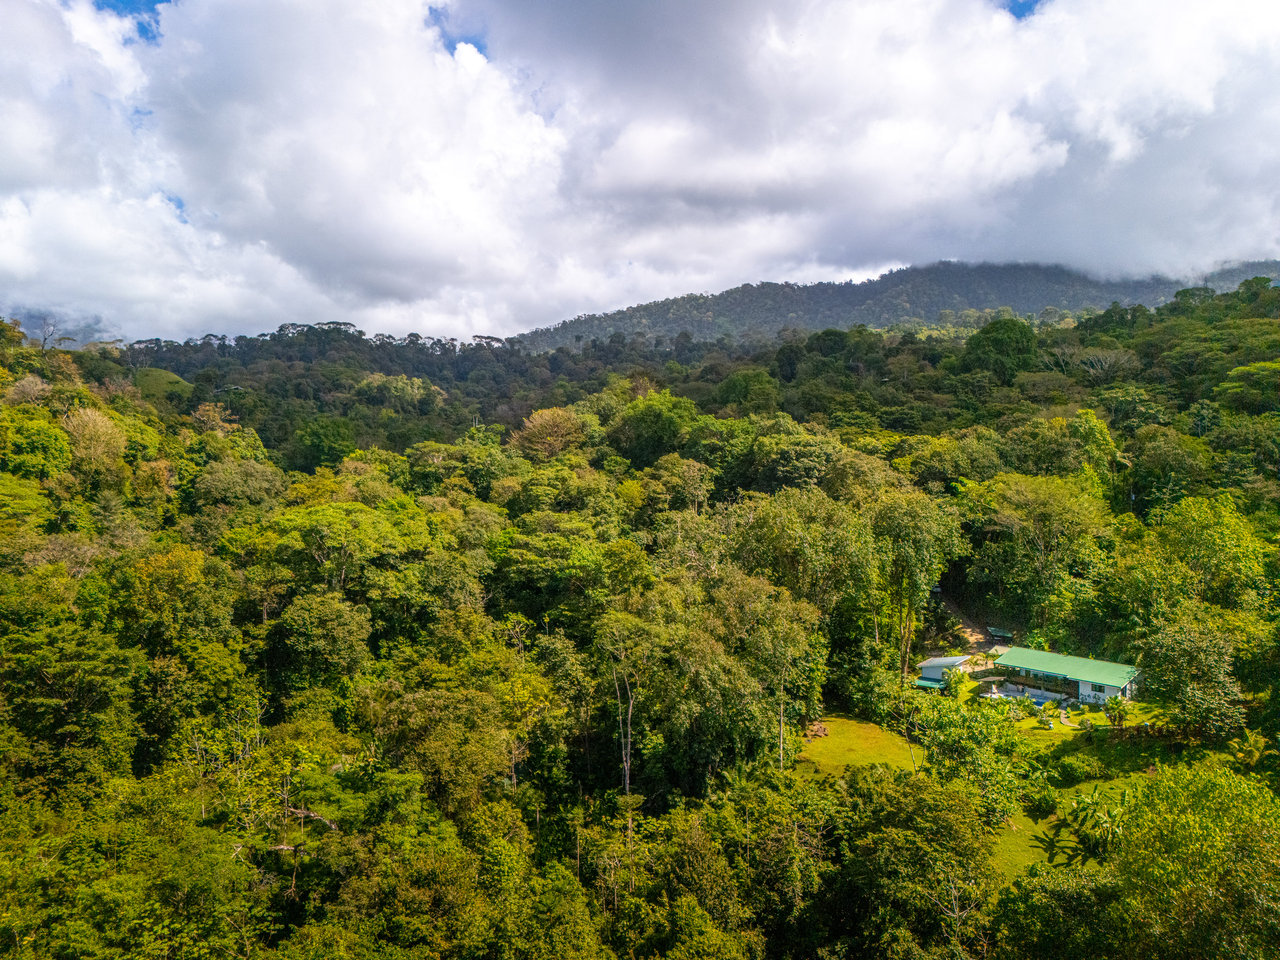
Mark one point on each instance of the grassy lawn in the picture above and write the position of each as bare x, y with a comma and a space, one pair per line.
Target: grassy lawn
1014, 851
1138, 713
1015, 847
1030, 728
154, 384
854, 742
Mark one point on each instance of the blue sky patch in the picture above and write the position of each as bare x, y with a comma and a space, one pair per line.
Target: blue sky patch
143, 13
129, 8
178, 204
1022, 8
439, 19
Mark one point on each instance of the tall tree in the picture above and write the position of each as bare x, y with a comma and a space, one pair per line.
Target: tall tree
1188, 664
627, 651
1035, 534
1218, 544
915, 538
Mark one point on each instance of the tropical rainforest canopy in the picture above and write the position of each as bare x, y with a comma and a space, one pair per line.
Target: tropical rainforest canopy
320, 645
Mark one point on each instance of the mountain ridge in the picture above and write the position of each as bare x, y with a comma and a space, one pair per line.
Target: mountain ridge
920, 293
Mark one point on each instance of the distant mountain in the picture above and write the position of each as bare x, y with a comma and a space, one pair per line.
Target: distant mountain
760, 311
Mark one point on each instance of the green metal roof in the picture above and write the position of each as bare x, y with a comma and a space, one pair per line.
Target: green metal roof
1073, 668
930, 684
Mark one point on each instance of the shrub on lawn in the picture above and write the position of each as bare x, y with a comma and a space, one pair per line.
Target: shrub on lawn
1077, 767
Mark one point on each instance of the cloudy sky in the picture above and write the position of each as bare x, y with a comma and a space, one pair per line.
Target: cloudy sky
486, 166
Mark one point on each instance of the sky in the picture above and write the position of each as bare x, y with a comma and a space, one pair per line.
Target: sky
488, 166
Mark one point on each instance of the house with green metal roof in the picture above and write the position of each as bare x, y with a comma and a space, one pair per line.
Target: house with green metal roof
1055, 676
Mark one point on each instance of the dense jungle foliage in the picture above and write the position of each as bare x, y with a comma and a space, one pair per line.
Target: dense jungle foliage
318, 645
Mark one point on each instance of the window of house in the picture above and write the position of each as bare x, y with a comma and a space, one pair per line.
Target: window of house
1098, 688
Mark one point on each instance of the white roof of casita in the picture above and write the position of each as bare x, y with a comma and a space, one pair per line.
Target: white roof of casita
942, 662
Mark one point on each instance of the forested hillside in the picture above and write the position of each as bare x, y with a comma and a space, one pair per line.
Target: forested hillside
319, 645
930, 295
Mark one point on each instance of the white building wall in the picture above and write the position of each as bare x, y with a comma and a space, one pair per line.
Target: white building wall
1087, 694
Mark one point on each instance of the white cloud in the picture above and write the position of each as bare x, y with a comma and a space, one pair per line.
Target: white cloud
346, 138
273, 160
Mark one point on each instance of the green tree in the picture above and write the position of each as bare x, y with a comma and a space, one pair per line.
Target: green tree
777, 641
1166, 466
820, 550
915, 539
1198, 866
236, 483
548, 433
971, 745
1004, 347
651, 426
1250, 749
453, 737
175, 605
913, 874
789, 457
1057, 914
24, 513
526, 698
687, 483
1116, 710
1188, 665
626, 651
319, 639
322, 442
1253, 388
749, 391
68, 695
1217, 544
1035, 536
32, 446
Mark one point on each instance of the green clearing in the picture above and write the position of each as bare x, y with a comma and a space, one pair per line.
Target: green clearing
855, 742
1016, 848
1138, 713
155, 384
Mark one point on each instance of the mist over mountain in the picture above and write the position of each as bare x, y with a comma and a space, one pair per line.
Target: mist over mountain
760, 311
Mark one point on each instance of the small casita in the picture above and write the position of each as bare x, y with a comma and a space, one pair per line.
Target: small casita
1054, 676
933, 672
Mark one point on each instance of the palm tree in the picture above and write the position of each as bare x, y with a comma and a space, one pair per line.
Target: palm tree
1117, 711
1250, 749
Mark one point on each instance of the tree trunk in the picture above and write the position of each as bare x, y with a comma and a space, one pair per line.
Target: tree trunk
781, 702
624, 727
